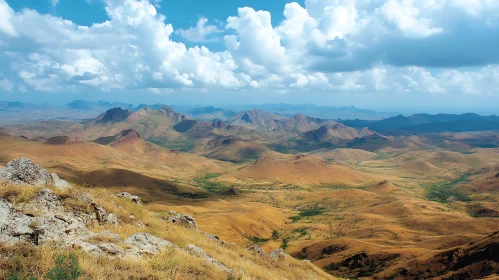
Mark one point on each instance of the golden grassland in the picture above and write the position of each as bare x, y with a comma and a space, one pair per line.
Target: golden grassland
172, 263
359, 201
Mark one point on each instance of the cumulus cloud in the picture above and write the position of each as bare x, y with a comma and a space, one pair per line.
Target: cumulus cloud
403, 46
201, 33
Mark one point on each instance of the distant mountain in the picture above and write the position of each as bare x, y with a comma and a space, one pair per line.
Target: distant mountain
16, 106
153, 106
323, 112
112, 116
430, 123
88, 105
210, 113
259, 120
336, 130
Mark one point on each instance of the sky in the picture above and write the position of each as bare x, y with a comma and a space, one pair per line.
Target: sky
397, 55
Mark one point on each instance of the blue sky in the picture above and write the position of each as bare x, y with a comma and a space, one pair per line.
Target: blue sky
403, 55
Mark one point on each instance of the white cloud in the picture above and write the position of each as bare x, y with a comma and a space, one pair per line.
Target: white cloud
325, 45
6, 85
201, 33
54, 2
408, 19
6, 14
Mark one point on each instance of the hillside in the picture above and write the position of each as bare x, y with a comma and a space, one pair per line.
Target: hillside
300, 170
113, 236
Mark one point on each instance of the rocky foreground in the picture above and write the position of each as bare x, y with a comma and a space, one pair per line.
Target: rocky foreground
40, 209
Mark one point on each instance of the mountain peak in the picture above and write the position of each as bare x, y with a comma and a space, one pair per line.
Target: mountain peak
113, 115
168, 112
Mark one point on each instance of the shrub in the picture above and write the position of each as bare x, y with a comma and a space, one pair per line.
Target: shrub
275, 234
66, 268
284, 244
16, 275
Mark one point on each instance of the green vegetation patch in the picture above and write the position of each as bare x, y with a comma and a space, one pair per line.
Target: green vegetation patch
212, 187
307, 213
255, 239
443, 192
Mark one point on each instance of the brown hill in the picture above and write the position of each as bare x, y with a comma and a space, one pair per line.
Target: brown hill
472, 261
63, 140
345, 154
300, 170
125, 136
258, 120
235, 149
332, 130
300, 124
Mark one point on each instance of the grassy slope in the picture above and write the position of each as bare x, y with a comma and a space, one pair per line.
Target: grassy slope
170, 264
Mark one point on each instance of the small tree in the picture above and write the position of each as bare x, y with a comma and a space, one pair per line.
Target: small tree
284, 244
66, 268
275, 234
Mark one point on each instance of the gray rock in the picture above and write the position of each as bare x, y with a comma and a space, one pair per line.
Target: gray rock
59, 183
215, 238
197, 251
277, 254
25, 171
133, 198
255, 248
18, 228
51, 223
4, 212
182, 220
103, 216
112, 249
145, 244
87, 247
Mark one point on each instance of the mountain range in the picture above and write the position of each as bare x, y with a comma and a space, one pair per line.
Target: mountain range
429, 123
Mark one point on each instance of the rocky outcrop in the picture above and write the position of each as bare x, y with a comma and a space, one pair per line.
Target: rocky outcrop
145, 244
103, 216
195, 250
182, 220
135, 199
45, 220
256, 249
59, 183
217, 239
24, 171
277, 254
4, 211
52, 223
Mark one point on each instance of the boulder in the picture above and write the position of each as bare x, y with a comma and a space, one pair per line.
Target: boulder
4, 212
182, 220
25, 171
103, 216
145, 244
50, 222
59, 183
255, 248
277, 254
133, 198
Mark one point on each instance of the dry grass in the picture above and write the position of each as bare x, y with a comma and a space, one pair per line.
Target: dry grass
171, 263
17, 193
